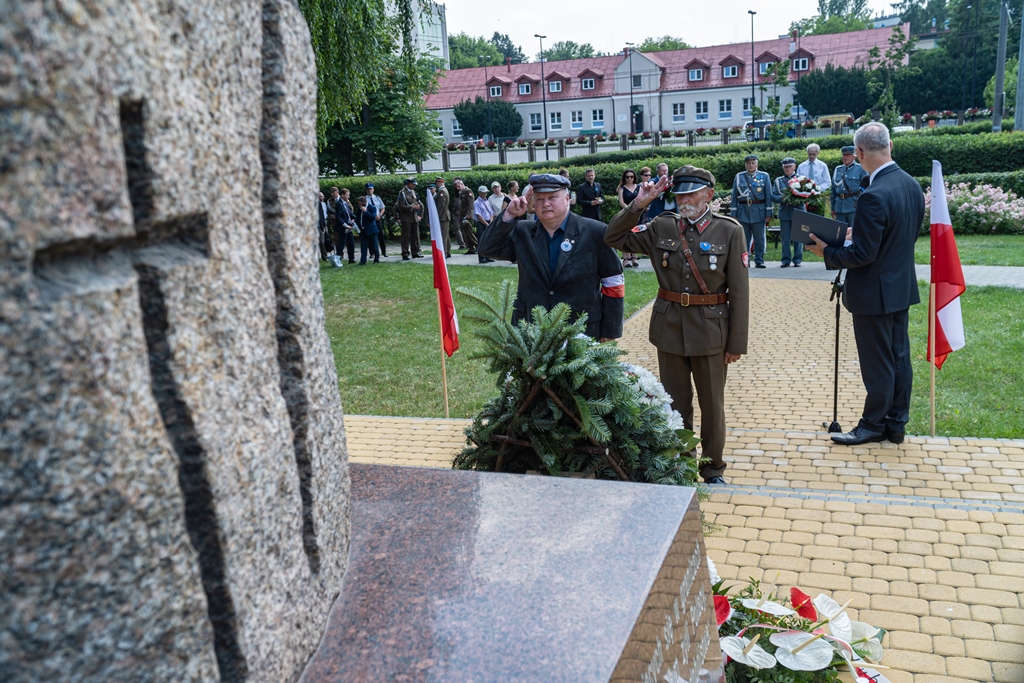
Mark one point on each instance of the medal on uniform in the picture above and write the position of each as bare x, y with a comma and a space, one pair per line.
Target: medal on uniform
566, 246
706, 247
664, 260
714, 262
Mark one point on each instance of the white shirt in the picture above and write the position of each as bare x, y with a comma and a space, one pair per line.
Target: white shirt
818, 173
871, 178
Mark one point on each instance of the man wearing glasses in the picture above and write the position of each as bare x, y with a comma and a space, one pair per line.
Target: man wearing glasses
562, 257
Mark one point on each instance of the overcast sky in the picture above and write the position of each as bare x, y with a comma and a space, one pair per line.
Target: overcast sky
609, 24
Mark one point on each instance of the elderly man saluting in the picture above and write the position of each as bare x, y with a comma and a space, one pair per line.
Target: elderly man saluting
562, 257
700, 318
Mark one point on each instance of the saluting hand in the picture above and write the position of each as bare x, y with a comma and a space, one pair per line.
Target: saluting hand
518, 206
648, 192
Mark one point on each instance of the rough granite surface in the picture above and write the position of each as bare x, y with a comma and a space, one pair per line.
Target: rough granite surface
173, 476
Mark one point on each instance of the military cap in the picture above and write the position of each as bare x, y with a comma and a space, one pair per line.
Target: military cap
367, 186
848, 149
482, 188
750, 157
690, 179
410, 180
548, 182
789, 161
439, 179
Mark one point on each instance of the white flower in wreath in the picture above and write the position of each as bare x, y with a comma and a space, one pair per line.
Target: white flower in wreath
713, 571
654, 394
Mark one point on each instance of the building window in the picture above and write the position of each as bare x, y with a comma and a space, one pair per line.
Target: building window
495, 91
730, 71
576, 119
748, 105
638, 81
524, 89
456, 127
701, 111
763, 67
536, 124
556, 120
800, 64
696, 74
597, 118
588, 83
778, 100
724, 109
679, 112
555, 86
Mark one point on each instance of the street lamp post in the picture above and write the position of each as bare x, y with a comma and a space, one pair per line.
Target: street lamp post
753, 70
543, 96
490, 128
632, 118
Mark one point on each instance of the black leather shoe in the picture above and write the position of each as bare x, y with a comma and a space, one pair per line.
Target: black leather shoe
858, 436
760, 265
785, 265
796, 265
486, 260
715, 480
405, 258
895, 437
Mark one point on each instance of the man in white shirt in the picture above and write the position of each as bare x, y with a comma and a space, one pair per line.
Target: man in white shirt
483, 214
496, 198
814, 169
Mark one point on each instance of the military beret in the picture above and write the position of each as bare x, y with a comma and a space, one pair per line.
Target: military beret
750, 157
482, 188
848, 149
548, 182
367, 186
690, 179
789, 161
410, 180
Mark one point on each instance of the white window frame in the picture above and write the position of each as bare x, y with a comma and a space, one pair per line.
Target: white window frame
525, 89
638, 81
588, 84
555, 120
679, 112
597, 121
801, 64
732, 71
576, 119
748, 111
495, 91
763, 67
701, 115
696, 74
537, 127
724, 110
456, 127
554, 86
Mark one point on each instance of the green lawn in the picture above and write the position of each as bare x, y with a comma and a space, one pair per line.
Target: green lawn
975, 250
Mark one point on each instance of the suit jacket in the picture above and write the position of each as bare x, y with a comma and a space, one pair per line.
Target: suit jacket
441, 201
332, 211
588, 277
343, 215
882, 277
321, 215
585, 194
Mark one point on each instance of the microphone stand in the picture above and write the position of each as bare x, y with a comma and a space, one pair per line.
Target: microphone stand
837, 291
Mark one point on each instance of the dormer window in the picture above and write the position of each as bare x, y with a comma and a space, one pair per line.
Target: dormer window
587, 83
555, 86
525, 89
495, 91
696, 74
764, 67
800, 64
730, 71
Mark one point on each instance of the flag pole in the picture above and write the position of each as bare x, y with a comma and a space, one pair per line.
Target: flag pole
932, 319
444, 370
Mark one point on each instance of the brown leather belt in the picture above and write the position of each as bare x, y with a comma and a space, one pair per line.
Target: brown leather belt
687, 299
749, 202
845, 196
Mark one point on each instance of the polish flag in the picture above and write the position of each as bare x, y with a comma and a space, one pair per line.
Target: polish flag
946, 275
449, 319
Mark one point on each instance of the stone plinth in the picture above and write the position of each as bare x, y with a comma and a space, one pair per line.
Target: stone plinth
467, 576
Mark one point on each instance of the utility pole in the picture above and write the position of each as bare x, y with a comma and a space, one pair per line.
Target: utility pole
632, 114
753, 70
1018, 115
997, 108
490, 128
543, 96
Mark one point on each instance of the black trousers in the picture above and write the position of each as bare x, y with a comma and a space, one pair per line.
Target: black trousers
349, 243
883, 345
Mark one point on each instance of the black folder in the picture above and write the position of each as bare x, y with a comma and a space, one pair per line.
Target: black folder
828, 230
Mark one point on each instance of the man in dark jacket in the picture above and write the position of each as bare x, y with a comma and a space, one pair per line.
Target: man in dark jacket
588, 196
562, 257
881, 285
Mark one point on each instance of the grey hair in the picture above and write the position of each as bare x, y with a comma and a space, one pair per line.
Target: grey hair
815, 146
872, 137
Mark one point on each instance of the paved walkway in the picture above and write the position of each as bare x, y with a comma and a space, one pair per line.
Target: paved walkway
927, 538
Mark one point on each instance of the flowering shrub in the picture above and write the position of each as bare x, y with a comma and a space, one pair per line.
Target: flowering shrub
462, 147
631, 136
552, 142
599, 137
975, 113
613, 137
824, 123
907, 117
932, 115
666, 133
735, 130
679, 133
521, 143
714, 131
866, 118
982, 209
701, 131
949, 114
849, 121
580, 139
804, 642
570, 141
645, 135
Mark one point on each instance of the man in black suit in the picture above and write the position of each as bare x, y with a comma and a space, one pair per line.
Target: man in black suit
881, 285
588, 196
562, 257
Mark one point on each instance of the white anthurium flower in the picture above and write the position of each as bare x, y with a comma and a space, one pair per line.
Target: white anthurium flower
755, 657
767, 606
838, 621
713, 570
815, 654
865, 638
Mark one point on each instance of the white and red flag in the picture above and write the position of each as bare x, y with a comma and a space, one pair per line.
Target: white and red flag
947, 277
449, 319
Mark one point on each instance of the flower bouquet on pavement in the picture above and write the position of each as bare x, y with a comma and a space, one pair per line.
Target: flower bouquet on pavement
799, 640
803, 193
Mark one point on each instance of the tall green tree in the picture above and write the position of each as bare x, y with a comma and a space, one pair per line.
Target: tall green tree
480, 117
399, 130
835, 16
934, 82
882, 70
835, 89
920, 13
1009, 86
778, 75
567, 49
662, 44
465, 51
508, 49
972, 43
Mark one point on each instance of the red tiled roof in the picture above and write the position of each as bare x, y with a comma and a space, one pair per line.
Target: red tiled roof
558, 75
803, 52
839, 49
499, 79
524, 78
731, 60
588, 72
697, 61
767, 56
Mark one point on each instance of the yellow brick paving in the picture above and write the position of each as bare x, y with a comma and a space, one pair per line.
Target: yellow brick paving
927, 538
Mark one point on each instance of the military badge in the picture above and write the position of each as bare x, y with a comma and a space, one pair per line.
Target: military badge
640, 228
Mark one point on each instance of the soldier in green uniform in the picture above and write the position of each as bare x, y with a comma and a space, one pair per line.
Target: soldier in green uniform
700, 318
846, 187
751, 205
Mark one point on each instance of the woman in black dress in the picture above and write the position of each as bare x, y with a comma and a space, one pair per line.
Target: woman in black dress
627, 191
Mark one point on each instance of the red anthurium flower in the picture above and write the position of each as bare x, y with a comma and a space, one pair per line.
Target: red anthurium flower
802, 604
723, 610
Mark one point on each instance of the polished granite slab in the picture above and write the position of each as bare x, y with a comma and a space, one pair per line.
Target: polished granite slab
468, 576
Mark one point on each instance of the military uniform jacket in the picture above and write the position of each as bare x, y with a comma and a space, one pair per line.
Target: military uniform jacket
588, 276
692, 330
406, 201
846, 182
752, 188
464, 206
778, 192
441, 201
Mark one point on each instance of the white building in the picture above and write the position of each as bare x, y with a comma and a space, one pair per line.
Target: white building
430, 30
